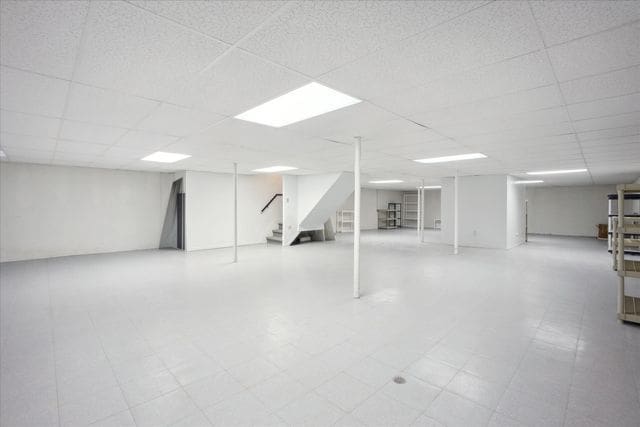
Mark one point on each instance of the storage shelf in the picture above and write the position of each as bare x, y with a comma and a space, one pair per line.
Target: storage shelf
631, 310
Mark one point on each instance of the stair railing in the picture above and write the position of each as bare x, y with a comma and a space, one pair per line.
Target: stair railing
270, 201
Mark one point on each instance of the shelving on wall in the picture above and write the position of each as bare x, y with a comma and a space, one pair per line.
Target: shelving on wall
626, 237
344, 221
410, 213
631, 210
391, 217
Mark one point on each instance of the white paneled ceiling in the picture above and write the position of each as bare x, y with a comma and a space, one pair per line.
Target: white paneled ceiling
533, 85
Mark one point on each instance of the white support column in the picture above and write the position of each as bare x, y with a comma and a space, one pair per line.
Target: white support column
455, 214
235, 212
418, 225
356, 218
422, 213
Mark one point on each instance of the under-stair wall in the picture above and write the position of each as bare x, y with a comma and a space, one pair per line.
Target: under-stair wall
309, 201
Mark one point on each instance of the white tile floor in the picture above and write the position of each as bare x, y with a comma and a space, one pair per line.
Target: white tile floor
502, 338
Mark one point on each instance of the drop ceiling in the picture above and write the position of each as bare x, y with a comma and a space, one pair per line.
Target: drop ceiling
533, 85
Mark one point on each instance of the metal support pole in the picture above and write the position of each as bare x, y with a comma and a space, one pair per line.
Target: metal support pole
422, 213
620, 262
455, 214
419, 210
235, 212
356, 218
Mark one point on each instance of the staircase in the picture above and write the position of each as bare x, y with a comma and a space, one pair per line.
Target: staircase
276, 236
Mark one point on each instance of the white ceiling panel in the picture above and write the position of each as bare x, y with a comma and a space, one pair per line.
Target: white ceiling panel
316, 37
27, 142
28, 124
609, 133
605, 107
600, 53
41, 36
17, 154
32, 93
138, 140
75, 147
561, 21
123, 154
178, 121
85, 132
145, 56
622, 120
526, 135
228, 21
100, 106
615, 83
73, 158
606, 142
237, 82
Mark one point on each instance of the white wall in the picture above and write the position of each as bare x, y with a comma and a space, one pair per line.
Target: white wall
431, 207
568, 211
209, 209
370, 201
515, 213
49, 211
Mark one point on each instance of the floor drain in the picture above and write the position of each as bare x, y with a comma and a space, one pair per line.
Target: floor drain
399, 380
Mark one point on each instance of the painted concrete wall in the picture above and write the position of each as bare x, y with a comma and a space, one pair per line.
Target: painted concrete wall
568, 211
50, 211
209, 209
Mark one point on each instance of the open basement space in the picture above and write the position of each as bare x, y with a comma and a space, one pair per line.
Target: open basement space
319, 213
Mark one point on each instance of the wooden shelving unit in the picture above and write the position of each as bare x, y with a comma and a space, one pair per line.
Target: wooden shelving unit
344, 221
625, 263
410, 211
631, 210
391, 217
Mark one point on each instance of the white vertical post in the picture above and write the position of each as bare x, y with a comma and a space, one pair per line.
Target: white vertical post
455, 214
422, 213
356, 218
419, 210
235, 212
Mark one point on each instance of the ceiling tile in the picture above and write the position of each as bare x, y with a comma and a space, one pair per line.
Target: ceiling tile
178, 121
85, 132
32, 93
610, 133
622, 120
606, 142
41, 36
101, 106
316, 37
138, 140
597, 54
26, 142
225, 20
605, 107
28, 124
615, 83
17, 154
74, 147
237, 82
146, 56
561, 21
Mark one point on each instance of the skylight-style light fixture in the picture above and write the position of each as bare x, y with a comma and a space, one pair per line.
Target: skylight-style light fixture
557, 172
455, 158
273, 169
529, 181
300, 104
386, 181
162, 157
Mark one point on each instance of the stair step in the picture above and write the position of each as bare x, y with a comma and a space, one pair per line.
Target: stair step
274, 239
277, 232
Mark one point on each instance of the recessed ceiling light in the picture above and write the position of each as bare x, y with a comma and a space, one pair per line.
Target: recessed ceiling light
300, 104
386, 181
431, 187
162, 157
273, 169
557, 172
529, 181
455, 158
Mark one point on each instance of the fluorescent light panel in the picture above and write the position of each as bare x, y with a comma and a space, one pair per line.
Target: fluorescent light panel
162, 157
300, 104
386, 181
455, 158
431, 187
529, 181
272, 169
557, 172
